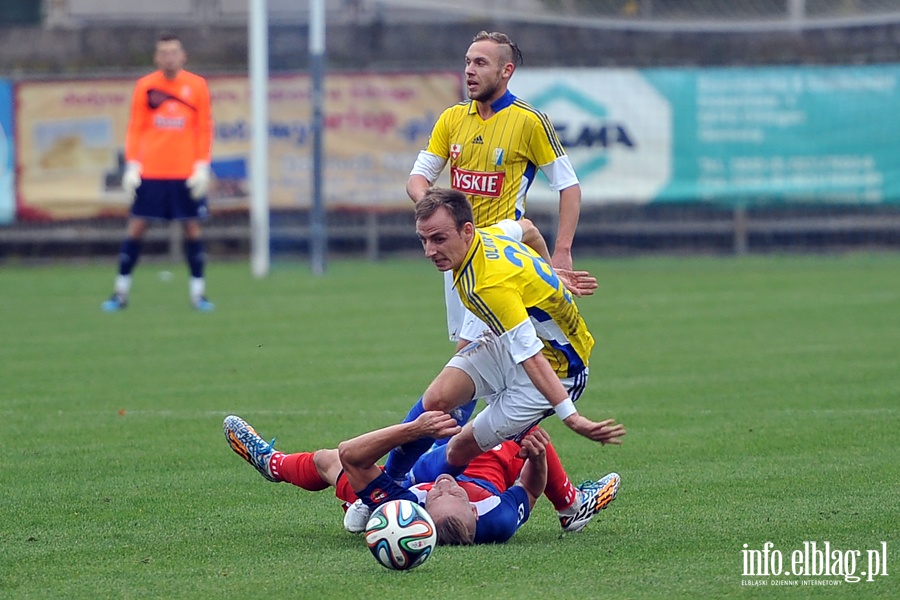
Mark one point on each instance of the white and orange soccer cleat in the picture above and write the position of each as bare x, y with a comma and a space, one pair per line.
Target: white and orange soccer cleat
592, 498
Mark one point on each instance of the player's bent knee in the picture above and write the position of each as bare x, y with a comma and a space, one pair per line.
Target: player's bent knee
348, 456
462, 449
440, 402
450, 390
325, 460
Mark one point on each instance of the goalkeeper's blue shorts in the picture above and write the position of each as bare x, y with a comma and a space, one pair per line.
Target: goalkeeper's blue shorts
167, 199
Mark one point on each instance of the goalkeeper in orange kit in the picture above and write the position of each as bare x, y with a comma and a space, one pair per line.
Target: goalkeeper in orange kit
167, 172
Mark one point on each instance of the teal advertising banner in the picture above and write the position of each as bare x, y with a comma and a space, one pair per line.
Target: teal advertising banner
730, 135
7, 154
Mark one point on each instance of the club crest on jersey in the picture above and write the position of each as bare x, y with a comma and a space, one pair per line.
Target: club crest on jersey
498, 156
455, 151
476, 182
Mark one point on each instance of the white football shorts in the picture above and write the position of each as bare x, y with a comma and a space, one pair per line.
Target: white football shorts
514, 404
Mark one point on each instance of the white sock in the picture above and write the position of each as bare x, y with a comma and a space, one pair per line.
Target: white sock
197, 288
123, 285
570, 512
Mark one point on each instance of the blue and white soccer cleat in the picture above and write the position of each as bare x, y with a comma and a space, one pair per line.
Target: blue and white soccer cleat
203, 305
115, 303
247, 444
592, 498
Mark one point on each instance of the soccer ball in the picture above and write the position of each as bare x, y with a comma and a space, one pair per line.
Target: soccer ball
401, 535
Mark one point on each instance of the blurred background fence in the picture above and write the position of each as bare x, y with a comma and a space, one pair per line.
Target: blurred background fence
695, 125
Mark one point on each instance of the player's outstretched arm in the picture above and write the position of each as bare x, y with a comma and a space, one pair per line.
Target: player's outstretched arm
545, 380
569, 212
605, 432
359, 455
579, 283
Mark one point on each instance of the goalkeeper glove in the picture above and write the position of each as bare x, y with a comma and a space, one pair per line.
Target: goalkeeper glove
131, 178
198, 182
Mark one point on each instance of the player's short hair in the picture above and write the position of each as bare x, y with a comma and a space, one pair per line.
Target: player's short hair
168, 36
454, 530
454, 201
513, 54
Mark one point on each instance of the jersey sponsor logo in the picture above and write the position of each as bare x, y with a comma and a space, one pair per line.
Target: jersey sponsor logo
478, 139
476, 182
162, 122
455, 151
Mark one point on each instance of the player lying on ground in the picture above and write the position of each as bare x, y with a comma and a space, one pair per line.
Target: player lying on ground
487, 503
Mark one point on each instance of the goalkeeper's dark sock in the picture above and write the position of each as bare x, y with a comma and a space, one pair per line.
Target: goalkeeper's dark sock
432, 464
298, 469
401, 459
196, 257
129, 253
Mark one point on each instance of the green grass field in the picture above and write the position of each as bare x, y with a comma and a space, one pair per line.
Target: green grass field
762, 398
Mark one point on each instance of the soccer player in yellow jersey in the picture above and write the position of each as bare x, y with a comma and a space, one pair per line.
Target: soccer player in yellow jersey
167, 149
532, 362
495, 144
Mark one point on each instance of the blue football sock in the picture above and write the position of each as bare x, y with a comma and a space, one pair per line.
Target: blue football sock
461, 415
401, 459
433, 463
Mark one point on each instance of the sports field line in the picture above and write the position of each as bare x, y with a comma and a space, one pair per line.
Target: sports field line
221, 414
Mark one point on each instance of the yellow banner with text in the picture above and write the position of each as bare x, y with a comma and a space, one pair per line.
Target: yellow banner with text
70, 139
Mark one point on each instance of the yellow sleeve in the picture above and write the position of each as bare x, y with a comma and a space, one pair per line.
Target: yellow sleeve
439, 142
544, 144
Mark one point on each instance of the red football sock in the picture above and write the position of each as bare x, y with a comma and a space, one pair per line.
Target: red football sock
559, 491
343, 490
298, 469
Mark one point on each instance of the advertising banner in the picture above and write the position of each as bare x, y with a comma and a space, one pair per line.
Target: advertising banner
7, 155
374, 126
70, 140
729, 135
72, 133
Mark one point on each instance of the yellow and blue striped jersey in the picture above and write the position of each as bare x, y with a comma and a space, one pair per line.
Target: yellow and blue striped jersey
519, 296
494, 162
